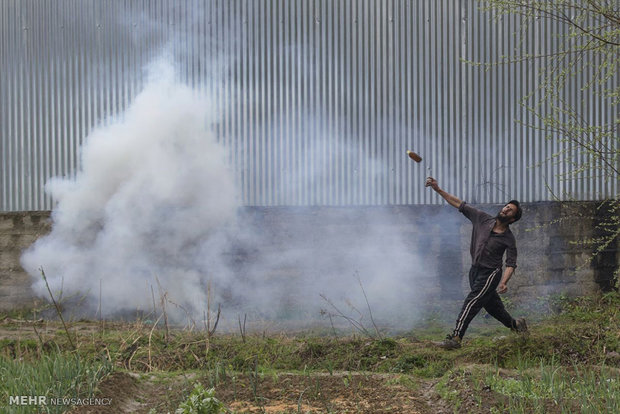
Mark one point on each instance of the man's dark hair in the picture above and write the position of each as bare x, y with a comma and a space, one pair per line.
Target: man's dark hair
519, 209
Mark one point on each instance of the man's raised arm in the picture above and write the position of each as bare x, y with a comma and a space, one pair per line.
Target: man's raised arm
452, 200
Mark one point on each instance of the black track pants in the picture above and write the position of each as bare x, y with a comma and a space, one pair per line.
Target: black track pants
483, 283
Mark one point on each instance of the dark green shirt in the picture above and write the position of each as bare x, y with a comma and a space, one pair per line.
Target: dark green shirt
487, 248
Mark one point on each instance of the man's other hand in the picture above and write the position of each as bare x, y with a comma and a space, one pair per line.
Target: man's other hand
502, 288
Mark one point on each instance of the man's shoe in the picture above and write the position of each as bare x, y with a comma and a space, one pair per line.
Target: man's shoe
450, 343
520, 326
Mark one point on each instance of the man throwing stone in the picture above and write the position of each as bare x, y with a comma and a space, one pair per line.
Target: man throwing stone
491, 237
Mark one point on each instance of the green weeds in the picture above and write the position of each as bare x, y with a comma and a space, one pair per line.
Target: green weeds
53, 376
201, 401
569, 362
583, 389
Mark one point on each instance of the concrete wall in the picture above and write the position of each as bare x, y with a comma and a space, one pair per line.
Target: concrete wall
18, 230
552, 256
549, 260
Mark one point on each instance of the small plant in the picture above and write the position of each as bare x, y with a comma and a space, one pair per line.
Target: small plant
57, 308
201, 401
356, 323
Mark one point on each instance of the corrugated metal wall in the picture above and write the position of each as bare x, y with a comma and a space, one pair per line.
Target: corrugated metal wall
320, 98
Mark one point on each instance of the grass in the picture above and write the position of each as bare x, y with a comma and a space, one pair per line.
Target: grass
549, 387
58, 375
569, 362
584, 389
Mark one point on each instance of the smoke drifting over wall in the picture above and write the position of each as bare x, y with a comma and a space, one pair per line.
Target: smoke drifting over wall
155, 208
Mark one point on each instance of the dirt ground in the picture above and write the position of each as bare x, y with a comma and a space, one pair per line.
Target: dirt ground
249, 390
276, 393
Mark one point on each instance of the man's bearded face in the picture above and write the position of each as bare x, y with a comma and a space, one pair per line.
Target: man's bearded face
507, 213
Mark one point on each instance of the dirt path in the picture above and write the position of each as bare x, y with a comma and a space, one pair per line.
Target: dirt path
274, 393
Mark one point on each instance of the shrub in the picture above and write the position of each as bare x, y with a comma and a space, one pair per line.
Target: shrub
201, 401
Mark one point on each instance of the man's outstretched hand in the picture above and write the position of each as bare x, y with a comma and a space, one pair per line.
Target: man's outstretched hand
431, 182
452, 200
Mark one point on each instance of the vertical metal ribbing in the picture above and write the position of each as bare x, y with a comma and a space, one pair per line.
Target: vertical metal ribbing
362, 101
385, 139
431, 89
596, 117
282, 39
490, 115
376, 63
371, 173
588, 112
397, 131
441, 91
263, 166
234, 94
467, 159
70, 85
512, 149
341, 152
525, 76
386, 132
348, 104
367, 36
468, 42
275, 105
5, 85
4, 101
301, 23
296, 27
299, 27
327, 65
256, 127
375, 103
79, 86
336, 153
312, 137
416, 60
455, 87
270, 80
27, 148
224, 42
407, 108
38, 133
539, 45
231, 107
463, 41
50, 109
11, 110
554, 175
352, 98
16, 109
321, 36
249, 96
322, 101
381, 104
253, 126
21, 87
478, 112
333, 156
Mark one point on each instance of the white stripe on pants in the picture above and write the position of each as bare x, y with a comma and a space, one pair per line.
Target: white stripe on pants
485, 288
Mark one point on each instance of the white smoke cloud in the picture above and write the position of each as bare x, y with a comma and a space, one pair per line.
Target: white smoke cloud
156, 208
154, 189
